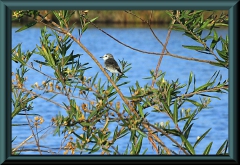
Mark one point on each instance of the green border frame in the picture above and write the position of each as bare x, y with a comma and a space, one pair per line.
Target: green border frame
5, 72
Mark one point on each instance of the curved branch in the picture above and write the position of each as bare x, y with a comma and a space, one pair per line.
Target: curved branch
153, 53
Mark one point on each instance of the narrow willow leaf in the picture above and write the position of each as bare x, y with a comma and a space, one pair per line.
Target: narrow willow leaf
189, 81
65, 60
94, 79
169, 97
194, 47
223, 54
175, 113
86, 25
173, 132
184, 118
123, 83
95, 149
215, 35
85, 124
167, 108
126, 108
144, 151
205, 24
186, 133
189, 120
133, 133
106, 150
139, 145
124, 133
30, 24
203, 87
201, 137
213, 44
140, 110
208, 148
82, 87
92, 113
188, 145
194, 102
126, 151
221, 149
210, 96
141, 133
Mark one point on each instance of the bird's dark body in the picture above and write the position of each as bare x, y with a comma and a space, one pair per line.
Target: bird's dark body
112, 63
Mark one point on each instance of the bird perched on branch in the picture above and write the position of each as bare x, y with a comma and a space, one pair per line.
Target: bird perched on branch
110, 64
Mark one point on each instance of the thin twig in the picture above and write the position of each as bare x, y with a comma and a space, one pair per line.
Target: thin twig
40, 96
36, 140
154, 53
163, 132
163, 50
149, 25
21, 144
207, 90
41, 72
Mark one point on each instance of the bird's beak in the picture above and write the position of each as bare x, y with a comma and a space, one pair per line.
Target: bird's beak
101, 57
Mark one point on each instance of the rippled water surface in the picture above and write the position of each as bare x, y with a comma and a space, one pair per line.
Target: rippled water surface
99, 44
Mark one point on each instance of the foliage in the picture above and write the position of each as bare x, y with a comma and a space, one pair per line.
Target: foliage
91, 104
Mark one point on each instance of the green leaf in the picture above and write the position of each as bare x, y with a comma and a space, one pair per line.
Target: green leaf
14, 139
30, 24
194, 47
188, 145
205, 24
126, 108
223, 54
175, 113
43, 63
203, 87
213, 44
221, 149
189, 120
126, 151
215, 35
18, 59
123, 133
123, 83
167, 108
144, 151
86, 25
208, 148
173, 132
189, 81
169, 96
92, 113
85, 124
139, 145
133, 133
141, 133
201, 137
82, 88
186, 133
95, 149
178, 27
194, 102
94, 79
184, 118
140, 110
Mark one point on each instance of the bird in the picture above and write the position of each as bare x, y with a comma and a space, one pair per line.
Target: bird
110, 64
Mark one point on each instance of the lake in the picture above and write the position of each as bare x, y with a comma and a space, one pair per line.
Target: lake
99, 44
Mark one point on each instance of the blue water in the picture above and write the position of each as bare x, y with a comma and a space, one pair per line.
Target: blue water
99, 44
